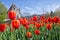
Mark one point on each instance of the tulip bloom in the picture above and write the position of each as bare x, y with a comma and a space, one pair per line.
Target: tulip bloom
59, 21
20, 19
15, 24
35, 18
11, 14
33, 22
27, 27
38, 25
24, 22
28, 23
28, 34
31, 19
49, 26
37, 32
45, 21
42, 24
42, 17
2, 27
49, 19
52, 20
55, 19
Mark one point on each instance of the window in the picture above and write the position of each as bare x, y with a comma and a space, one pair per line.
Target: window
14, 8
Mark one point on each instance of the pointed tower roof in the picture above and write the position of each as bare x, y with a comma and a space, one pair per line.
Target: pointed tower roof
13, 6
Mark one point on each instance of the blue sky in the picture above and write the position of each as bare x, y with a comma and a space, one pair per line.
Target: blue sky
33, 6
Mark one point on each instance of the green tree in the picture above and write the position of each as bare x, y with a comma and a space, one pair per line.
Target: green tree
3, 12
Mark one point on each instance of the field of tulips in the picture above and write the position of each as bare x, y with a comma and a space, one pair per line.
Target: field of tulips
34, 28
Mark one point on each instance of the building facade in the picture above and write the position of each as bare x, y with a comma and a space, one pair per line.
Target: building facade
17, 10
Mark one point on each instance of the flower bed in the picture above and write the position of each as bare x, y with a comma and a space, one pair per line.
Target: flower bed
30, 29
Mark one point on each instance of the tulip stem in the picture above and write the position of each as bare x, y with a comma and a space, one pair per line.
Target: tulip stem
0, 36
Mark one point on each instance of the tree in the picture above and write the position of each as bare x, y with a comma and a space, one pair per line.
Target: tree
3, 12
51, 13
57, 12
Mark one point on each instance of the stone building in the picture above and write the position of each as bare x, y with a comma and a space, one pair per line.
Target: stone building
17, 10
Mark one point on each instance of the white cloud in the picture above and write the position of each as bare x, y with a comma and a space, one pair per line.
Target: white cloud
52, 7
22, 11
31, 10
28, 8
40, 9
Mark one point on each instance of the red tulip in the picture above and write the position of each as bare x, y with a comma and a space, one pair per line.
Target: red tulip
28, 34
2, 27
49, 26
15, 24
24, 22
20, 19
32, 22
55, 19
42, 24
11, 14
27, 27
28, 23
59, 21
45, 21
35, 18
38, 25
42, 18
49, 19
52, 20
31, 19
37, 32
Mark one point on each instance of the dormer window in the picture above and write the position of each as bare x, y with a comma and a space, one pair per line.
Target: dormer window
14, 8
